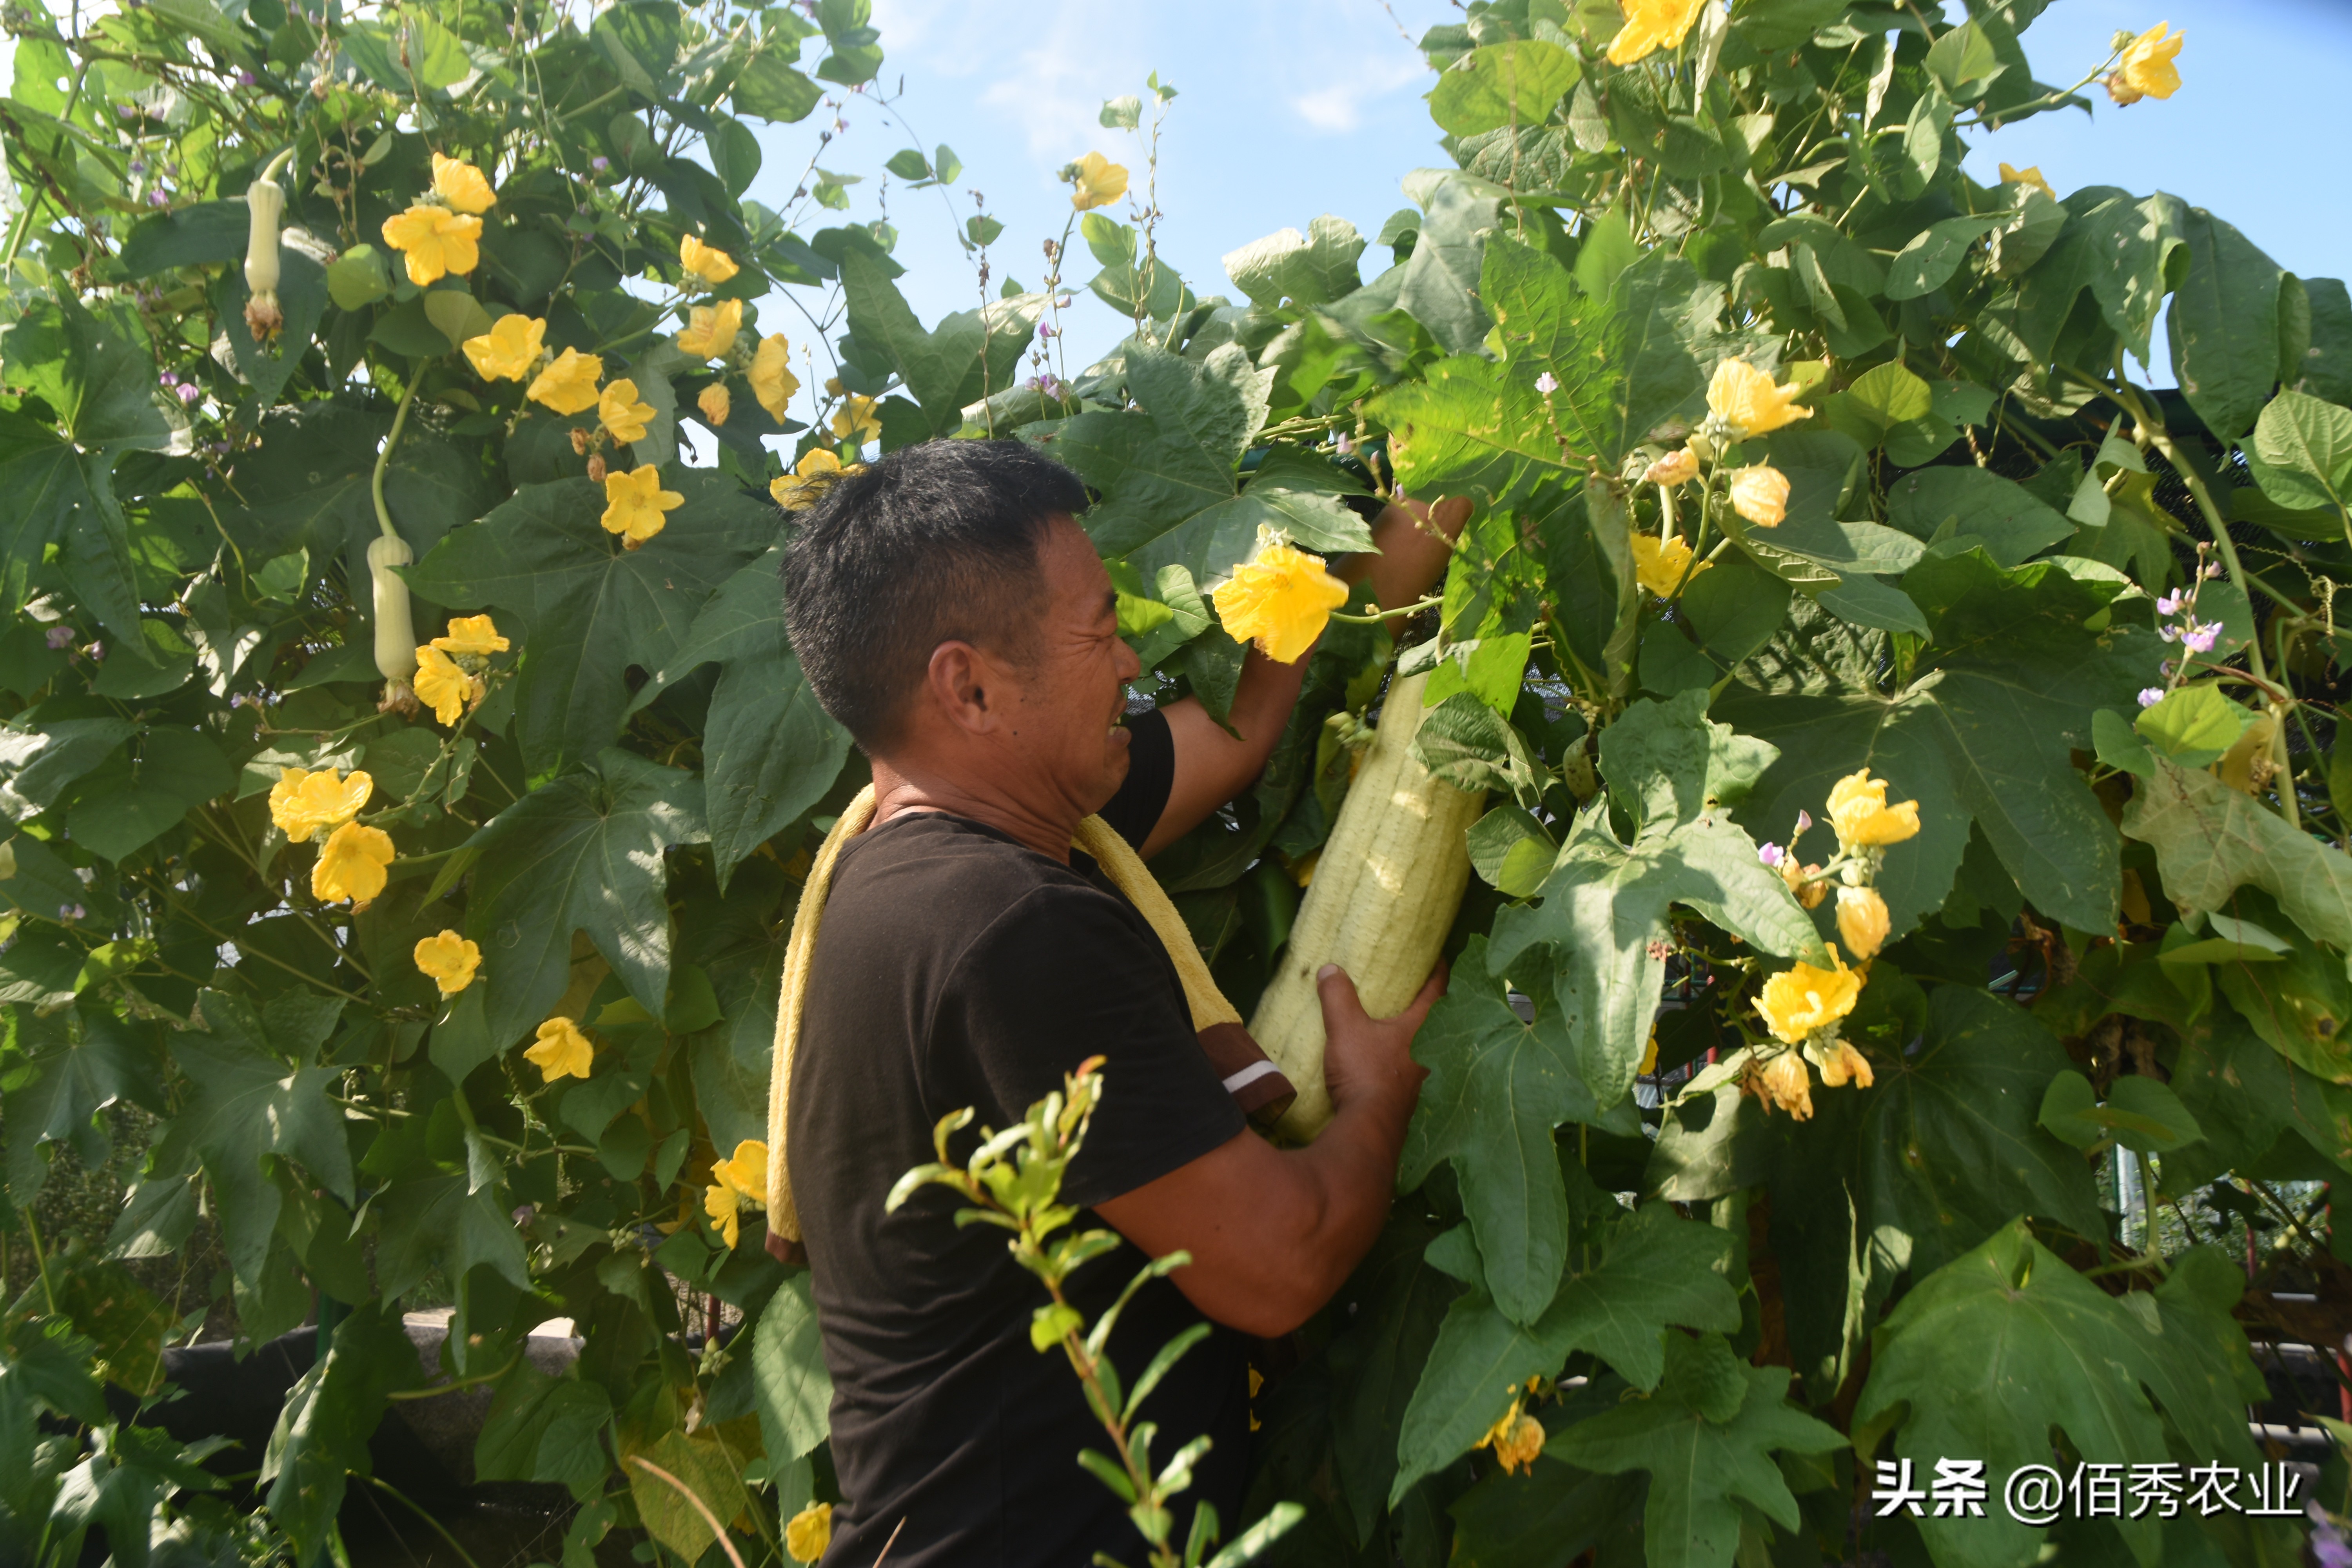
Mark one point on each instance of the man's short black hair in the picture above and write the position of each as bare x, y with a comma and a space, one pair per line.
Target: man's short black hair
934, 543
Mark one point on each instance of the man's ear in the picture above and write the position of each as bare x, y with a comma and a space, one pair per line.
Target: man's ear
966, 686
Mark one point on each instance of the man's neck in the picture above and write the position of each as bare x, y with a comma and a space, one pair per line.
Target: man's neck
901, 787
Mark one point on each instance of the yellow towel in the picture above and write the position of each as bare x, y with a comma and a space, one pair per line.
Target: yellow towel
1119, 863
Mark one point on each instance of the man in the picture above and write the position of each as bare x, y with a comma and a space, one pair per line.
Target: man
950, 611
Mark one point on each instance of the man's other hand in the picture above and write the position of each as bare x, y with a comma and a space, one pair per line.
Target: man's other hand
1366, 1057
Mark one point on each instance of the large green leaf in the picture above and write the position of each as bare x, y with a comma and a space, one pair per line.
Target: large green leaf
2224, 326
2211, 839
1603, 908
796, 1391
2008, 519
1985, 1356
96, 370
257, 1089
1503, 84
1392, 1307
543, 1428
1628, 1281
769, 751
589, 609
41, 475
1985, 731
1497, 1089
121, 809
1706, 1438
583, 853
323, 1428
944, 369
75, 1064
1439, 289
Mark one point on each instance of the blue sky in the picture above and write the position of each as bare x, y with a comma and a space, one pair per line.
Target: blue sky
1290, 109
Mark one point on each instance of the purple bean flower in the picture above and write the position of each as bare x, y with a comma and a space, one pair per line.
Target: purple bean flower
71, 911
170, 378
245, 78
138, 165
188, 392
1344, 444
2212, 570
61, 636
2200, 639
600, 163
97, 652
1804, 820
2149, 696
2171, 603
1047, 386
1770, 854
124, 111
1547, 383
1046, 329
2169, 634
159, 197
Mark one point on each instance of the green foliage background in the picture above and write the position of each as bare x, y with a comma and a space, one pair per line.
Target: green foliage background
2121, 926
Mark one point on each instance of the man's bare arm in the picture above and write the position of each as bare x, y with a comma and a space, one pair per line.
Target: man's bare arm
1213, 764
1274, 1233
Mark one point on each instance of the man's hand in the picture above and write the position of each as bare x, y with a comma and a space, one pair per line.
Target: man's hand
1274, 1233
1368, 1058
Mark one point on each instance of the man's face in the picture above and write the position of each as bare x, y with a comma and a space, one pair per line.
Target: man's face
1066, 716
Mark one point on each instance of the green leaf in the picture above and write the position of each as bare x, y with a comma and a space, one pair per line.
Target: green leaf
2193, 725
1949, 1145
2298, 1002
255, 1090
2224, 326
589, 609
2211, 840
769, 752
202, 234
1933, 255
770, 88
1988, 1353
122, 809
323, 1428
2009, 520
2140, 1113
543, 1428
1497, 1087
1391, 1306
1603, 908
702, 1463
1439, 289
943, 369
1637, 1276
97, 371
2303, 451
1312, 269
1514, 83
1702, 1471
788, 1363
583, 853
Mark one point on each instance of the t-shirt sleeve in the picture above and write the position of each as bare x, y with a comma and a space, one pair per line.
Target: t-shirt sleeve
1135, 810
1062, 976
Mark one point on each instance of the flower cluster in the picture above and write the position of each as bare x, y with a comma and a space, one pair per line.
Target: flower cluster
451, 669
736, 1184
2195, 636
1803, 1007
2146, 70
1741, 401
440, 234
819, 471
1280, 598
352, 863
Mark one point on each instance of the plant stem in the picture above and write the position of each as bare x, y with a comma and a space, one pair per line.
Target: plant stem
384, 458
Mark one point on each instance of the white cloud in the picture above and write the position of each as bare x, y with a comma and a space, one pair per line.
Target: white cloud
1352, 83
1333, 109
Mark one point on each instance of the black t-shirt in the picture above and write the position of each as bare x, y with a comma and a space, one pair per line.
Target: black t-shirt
956, 968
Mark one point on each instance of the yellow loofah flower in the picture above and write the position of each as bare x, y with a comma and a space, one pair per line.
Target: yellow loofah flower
1861, 921
477, 635
462, 186
508, 349
1097, 182
450, 959
1650, 26
809, 1532
855, 422
561, 1051
635, 502
1518, 1441
1799, 1000
734, 1183
618, 410
1280, 599
1745, 398
352, 864
710, 329
1861, 818
442, 686
1806, 892
1761, 494
1660, 566
772, 380
434, 241
2147, 70
1841, 1064
1674, 469
304, 804
706, 262
819, 473
716, 403
2030, 175
569, 384
1785, 1082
